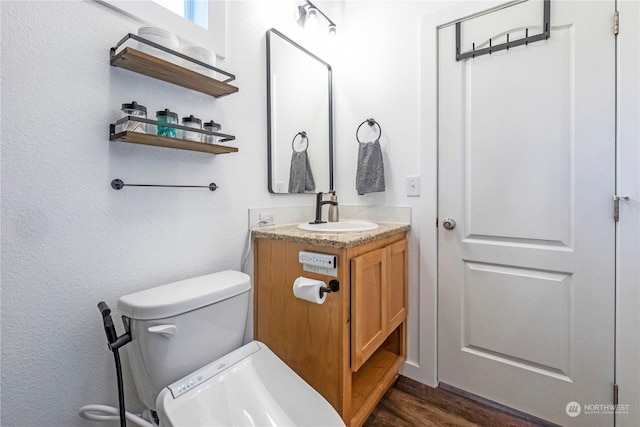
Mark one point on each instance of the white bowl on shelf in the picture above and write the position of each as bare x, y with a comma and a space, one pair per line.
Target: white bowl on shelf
159, 36
201, 54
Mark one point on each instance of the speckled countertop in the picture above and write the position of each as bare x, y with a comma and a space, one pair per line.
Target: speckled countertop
336, 240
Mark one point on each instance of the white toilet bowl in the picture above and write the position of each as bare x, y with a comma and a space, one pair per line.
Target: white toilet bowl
189, 364
250, 386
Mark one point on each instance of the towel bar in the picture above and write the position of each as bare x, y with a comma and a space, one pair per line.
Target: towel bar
118, 184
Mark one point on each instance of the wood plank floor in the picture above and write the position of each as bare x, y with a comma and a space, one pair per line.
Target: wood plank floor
409, 404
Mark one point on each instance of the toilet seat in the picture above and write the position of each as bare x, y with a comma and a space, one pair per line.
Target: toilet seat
250, 386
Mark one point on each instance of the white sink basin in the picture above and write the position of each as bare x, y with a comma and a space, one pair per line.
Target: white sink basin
343, 226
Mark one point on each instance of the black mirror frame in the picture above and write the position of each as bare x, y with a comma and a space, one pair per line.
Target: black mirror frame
269, 124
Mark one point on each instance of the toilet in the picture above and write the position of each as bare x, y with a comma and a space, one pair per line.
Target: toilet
189, 363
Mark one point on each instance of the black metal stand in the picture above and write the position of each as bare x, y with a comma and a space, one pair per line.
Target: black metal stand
544, 35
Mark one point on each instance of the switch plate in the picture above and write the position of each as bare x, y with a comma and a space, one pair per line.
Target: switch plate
413, 185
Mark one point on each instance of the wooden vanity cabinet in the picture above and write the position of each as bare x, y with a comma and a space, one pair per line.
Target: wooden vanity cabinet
378, 299
351, 347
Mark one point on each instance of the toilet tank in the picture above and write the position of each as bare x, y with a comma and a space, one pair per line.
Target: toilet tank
181, 326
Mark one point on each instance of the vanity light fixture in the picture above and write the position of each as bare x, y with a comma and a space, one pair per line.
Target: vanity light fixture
308, 12
312, 14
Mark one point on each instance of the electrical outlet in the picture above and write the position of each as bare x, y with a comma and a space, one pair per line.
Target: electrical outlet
413, 185
267, 219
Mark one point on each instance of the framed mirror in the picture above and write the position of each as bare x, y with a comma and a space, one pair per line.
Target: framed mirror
300, 118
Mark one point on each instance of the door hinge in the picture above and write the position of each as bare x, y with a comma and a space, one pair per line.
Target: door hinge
616, 206
616, 23
615, 394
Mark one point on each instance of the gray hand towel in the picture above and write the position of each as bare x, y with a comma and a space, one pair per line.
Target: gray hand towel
300, 175
370, 171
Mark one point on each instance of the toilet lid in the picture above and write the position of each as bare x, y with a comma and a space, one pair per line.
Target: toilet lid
250, 386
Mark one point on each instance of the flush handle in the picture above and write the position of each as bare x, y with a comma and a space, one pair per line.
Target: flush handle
449, 224
164, 330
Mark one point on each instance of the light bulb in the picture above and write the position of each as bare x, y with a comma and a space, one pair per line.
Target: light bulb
312, 16
332, 30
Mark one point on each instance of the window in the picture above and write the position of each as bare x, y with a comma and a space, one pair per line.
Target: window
197, 22
196, 11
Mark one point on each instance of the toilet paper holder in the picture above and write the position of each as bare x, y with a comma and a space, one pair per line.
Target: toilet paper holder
334, 286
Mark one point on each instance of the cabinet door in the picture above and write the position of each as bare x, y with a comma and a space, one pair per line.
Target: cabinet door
397, 281
368, 305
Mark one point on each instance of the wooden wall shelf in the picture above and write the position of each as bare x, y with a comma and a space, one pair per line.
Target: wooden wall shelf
177, 143
140, 62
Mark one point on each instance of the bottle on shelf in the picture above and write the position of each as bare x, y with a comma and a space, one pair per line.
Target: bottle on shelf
136, 110
169, 117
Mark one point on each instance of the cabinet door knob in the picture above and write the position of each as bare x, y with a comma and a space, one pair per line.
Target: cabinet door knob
449, 224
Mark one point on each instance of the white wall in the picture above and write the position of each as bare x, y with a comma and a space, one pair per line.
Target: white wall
69, 240
377, 74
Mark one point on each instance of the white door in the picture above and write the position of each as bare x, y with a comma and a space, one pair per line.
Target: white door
526, 143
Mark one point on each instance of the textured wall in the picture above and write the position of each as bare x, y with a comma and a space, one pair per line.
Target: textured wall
69, 240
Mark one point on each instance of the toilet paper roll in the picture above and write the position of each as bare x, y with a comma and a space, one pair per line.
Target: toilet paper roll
309, 290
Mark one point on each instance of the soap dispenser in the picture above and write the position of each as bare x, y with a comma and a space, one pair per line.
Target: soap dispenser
333, 208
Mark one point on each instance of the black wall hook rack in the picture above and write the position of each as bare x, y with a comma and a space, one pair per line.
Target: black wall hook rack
118, 184
544, 35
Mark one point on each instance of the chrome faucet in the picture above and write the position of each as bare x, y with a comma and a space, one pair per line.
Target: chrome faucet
333, 208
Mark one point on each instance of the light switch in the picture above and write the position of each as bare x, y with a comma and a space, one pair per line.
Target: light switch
413, 185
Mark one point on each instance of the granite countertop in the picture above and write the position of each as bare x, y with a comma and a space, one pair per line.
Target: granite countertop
337, 240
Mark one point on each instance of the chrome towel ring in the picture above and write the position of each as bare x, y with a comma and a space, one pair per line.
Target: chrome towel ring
304, 136
370, 122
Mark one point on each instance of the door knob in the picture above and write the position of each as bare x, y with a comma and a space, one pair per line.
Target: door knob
449, 224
